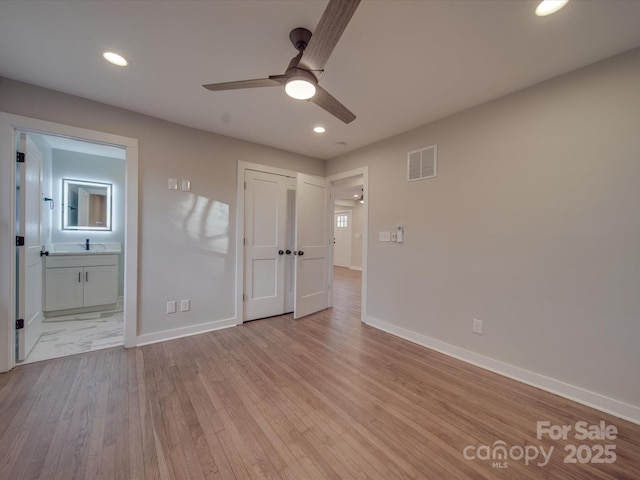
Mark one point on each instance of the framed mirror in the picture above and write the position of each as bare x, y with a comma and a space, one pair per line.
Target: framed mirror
86, 205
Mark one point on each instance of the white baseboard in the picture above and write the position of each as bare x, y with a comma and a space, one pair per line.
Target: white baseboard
355, 268
577, 394
184, 331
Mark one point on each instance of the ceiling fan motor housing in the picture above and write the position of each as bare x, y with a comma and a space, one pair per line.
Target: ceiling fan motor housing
300, 38
300, 74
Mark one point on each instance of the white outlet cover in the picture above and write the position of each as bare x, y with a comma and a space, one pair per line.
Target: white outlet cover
186, 185
172, 184
171, 307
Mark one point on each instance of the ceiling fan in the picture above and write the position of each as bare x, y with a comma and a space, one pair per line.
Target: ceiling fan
300, 80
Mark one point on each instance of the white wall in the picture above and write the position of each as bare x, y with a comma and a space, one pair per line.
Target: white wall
532, 225
186, 239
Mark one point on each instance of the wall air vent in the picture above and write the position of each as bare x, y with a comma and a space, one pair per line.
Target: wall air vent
422, 164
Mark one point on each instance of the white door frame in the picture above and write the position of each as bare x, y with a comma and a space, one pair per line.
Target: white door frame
9, 124
364, 171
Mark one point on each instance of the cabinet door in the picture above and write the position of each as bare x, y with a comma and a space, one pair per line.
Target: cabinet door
63, 288
100, 285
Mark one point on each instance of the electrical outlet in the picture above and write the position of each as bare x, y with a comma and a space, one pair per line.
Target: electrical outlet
171, 307
185, 305
478, 326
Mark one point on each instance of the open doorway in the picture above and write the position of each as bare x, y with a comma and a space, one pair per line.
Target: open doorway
79, 236
12, 318
348, 212
349, 232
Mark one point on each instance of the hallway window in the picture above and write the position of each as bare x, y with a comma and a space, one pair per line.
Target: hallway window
341, 221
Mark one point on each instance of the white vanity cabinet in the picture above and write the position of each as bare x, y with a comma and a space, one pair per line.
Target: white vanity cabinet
85, 281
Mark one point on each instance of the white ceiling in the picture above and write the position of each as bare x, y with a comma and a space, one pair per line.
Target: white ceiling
399, 64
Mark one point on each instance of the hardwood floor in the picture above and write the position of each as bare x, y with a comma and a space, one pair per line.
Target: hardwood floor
323, 397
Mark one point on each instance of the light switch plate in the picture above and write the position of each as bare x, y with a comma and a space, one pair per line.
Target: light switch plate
186, 185
171, 307
185, 305
478, 326
172, 184
384, 236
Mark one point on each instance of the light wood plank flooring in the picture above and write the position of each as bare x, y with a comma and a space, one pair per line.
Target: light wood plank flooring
324, 397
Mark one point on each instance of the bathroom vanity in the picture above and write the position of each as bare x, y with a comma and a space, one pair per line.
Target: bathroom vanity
78, 280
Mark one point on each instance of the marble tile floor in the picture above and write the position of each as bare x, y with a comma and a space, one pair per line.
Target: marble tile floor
80, 333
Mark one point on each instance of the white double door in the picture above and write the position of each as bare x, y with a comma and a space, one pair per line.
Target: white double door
287, 242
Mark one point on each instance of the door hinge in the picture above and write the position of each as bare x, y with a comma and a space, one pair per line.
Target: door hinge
245, 185
243, 297
19, 323
19, 157
244, 241
19, 241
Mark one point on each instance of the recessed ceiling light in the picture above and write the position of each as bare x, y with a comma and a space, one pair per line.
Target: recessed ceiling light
547, 7
115, 59
319, 129
356, 196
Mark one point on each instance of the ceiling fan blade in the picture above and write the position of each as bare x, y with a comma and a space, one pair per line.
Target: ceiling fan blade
273, 81
325, 100
329, 30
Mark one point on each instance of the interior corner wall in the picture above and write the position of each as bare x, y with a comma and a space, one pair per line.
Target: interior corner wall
532, 225
186, 240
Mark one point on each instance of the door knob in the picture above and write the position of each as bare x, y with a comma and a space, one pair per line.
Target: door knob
280, 252
300, 252
288, 252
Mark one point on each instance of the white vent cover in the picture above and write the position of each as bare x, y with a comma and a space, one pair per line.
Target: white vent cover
422, 163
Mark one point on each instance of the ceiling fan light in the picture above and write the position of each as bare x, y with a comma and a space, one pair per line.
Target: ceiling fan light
547, 7
300, 88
